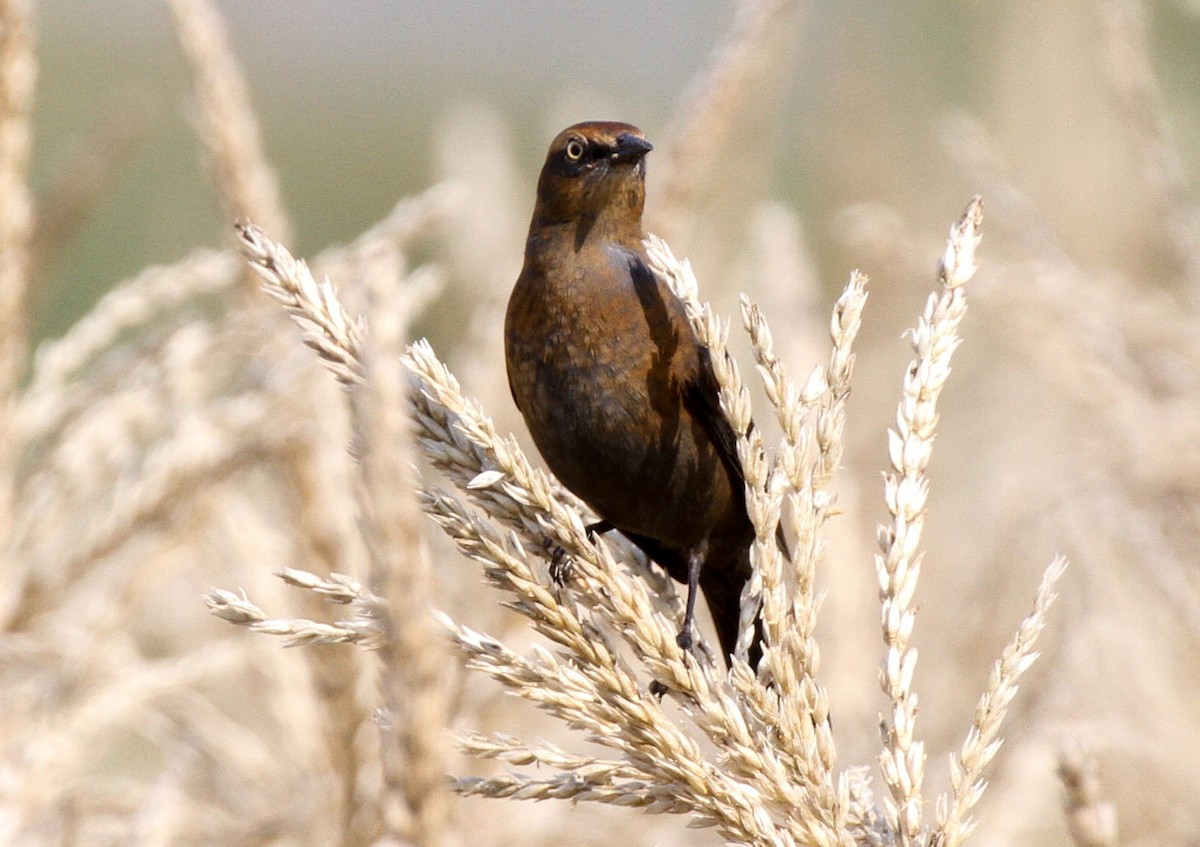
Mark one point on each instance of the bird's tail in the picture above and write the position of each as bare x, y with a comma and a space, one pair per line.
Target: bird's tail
721, 580
725, 571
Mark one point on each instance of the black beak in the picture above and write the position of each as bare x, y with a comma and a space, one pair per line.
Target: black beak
630, 147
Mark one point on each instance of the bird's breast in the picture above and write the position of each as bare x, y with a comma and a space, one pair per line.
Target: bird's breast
598, 352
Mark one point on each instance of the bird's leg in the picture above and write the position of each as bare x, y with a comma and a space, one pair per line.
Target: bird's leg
695, 560
598, 528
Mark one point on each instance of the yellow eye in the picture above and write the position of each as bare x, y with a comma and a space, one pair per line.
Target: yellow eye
575, 149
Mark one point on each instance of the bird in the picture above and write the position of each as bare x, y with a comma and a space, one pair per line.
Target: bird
618, 394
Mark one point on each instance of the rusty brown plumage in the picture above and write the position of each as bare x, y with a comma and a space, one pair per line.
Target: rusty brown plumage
618, 395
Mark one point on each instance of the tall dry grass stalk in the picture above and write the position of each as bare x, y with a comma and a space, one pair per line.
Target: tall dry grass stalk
707, 116
17, 72
1139, 99
226, 122
1092, 820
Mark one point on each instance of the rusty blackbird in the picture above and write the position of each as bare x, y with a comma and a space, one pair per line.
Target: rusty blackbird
619, 396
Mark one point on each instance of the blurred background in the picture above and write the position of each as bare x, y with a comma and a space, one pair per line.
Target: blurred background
356, 100
853, 136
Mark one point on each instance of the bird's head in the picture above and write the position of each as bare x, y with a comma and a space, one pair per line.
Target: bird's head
593, 171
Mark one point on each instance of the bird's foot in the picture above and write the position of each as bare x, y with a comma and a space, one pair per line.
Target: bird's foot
658, 689
695, 559
561, 566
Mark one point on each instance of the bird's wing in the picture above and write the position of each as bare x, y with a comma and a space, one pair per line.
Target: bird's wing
701, 392
701, 397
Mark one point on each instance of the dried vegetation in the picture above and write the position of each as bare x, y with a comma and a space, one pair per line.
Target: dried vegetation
181, 437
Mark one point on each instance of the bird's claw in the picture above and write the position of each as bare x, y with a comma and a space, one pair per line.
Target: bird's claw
684, 639
561, 566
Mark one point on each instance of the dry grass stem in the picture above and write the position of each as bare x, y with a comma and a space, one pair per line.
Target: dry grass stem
238, 609
709, 108
247, 184
414, 683
204, 448
762, 503
336, 588
314, 306
409, 802
906, 488
803, 478
802, 714
1091, 820
18, 71
413, 680
316, 471
983, 740
512, 750
129, 307
1139, 98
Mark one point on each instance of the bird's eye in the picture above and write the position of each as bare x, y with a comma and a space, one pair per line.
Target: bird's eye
575, 149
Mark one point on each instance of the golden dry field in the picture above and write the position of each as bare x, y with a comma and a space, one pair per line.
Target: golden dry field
280, 566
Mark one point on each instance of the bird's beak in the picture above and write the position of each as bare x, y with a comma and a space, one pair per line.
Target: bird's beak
630, 148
